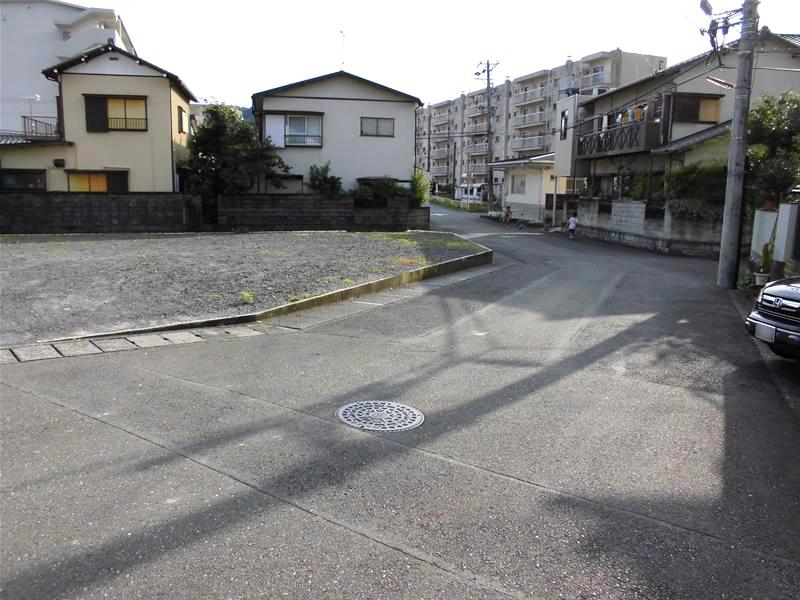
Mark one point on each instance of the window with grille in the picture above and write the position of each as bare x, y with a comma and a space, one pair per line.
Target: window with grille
116, 113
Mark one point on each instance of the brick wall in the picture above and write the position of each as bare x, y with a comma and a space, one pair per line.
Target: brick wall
62, 212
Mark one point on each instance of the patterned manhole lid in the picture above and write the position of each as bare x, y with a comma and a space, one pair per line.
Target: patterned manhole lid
379, 415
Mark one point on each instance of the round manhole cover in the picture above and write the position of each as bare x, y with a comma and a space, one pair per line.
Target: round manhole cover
379, 415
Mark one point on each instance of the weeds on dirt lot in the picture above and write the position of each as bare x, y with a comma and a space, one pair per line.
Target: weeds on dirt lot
408, 261
299, 297
424, 242
246, 297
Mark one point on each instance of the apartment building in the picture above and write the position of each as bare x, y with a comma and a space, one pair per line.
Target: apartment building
35, 34
457, 139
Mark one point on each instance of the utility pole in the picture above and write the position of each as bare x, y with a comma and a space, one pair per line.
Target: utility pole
487, 70
727, 271
429, 139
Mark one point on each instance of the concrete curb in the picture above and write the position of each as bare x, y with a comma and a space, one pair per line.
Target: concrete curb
486, 256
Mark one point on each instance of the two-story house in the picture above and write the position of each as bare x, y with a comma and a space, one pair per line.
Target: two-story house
364, 129
35, 34
123, 125
672, 118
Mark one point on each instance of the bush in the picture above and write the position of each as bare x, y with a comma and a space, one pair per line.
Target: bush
320, 180
420, 190
698, 181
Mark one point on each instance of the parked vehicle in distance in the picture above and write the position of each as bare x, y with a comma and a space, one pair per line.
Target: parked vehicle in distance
775, 318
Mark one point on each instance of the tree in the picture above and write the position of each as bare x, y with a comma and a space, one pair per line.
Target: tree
773, 139
226, 156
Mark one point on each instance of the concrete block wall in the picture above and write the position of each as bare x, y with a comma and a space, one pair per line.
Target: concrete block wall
63, 212
627, 225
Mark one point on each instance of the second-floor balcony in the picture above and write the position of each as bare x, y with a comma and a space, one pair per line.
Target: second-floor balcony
475, 110
439, 119
478, 129
440, 171
439, 153
537, 118
535, 142
477, 149
594, 79
40, 127
477, 168
622, 139
529, 96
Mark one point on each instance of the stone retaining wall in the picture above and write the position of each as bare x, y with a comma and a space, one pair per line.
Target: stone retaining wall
628, 224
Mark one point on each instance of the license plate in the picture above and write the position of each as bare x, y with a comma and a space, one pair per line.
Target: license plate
765, 332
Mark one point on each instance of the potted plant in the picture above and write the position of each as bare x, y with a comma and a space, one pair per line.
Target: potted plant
762, 275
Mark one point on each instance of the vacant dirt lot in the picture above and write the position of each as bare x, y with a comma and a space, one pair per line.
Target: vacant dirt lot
64, 285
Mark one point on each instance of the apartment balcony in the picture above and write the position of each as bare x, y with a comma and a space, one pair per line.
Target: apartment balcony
536, 142
476, 149
531, 96
595, 79
440, 171
440, 153
474, 111
479, 129
477, 168
623, 139
439, 119
537, 118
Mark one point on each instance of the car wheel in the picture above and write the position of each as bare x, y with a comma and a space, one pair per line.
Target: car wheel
784, 352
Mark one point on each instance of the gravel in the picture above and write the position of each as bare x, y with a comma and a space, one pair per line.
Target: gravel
68, 285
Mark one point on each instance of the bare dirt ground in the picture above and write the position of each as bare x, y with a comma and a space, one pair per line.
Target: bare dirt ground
67, 285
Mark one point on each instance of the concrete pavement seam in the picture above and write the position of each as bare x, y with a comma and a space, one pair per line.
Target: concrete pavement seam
539, 486
445, 566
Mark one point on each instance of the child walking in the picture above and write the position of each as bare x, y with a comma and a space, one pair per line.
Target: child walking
572, 225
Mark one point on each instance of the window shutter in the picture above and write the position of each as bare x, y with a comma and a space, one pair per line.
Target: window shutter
117, 181
96, 113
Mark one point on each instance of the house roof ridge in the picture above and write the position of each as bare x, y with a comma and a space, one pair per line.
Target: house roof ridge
340, 73
51, 72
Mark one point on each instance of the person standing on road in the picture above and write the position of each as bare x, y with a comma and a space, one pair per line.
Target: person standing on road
572, 225
506, 217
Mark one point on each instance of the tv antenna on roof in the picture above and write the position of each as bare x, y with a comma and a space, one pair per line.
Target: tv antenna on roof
341, 32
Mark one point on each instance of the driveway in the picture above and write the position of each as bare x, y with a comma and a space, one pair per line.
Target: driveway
597, 424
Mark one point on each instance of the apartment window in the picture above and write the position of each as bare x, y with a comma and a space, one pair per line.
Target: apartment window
181, 120
294, 130
116, 113
22, 180
98, 181
564, 123
378, 127
696, 109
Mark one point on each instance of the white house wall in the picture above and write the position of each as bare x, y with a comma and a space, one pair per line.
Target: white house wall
343, 102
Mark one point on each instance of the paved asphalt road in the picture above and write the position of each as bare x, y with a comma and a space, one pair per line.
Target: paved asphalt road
598, 424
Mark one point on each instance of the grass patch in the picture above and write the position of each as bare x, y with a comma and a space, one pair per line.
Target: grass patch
347, 282
246, 297
299, 297
426, 241
408, 261
267, 252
